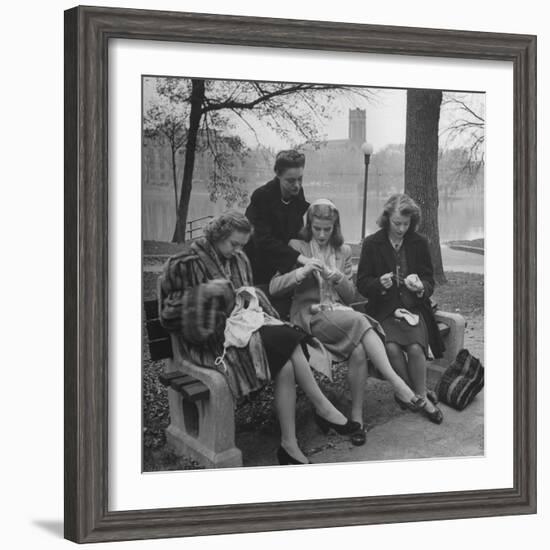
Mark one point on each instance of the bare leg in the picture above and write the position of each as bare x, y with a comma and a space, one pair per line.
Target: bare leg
285, 405
357, 378
307, 382
376, 351
417, 371
398, 361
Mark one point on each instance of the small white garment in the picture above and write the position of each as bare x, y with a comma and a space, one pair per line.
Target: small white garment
411, 318
245, 319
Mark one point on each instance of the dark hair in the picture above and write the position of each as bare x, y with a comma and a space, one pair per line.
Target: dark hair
288, 159
223, 225
404, 206
323, 212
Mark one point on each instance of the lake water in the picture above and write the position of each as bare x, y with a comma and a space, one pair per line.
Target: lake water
460, 218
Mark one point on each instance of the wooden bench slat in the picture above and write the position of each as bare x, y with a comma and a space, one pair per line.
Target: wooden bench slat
165, 378
191, 388
151, 309
155, 331
182, 380
195, 392
161, 349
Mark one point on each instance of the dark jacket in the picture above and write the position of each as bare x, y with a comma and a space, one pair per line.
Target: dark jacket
377, 258
268, 248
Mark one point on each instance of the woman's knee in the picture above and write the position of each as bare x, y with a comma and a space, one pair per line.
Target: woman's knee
394, 350
416, 351
358, 354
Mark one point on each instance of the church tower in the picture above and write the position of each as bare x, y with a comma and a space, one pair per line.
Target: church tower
357, 131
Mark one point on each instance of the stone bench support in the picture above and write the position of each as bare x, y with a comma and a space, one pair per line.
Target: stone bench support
205, 429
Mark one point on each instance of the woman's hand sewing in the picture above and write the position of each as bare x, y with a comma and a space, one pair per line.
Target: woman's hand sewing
413, 283
306, 260
332, 275
307, 269
386, 280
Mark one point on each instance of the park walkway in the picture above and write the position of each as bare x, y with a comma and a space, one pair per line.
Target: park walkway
392, 434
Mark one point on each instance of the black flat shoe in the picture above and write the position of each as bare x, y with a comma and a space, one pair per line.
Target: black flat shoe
435, 416
359, 436
284, 458
414, 405
432, 396
343, 429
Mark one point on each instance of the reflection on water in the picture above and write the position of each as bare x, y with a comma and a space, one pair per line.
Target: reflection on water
459, 218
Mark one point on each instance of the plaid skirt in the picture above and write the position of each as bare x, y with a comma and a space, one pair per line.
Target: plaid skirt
341, 331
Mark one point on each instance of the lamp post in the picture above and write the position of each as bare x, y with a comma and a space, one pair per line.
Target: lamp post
367, 152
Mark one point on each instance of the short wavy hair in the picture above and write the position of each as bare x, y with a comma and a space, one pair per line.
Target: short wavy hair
323, 212
288, 159
223, 225
403, 205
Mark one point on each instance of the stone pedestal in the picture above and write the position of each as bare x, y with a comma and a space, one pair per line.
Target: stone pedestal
454, 340
203, 430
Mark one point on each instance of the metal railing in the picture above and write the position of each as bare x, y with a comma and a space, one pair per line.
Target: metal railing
191, 229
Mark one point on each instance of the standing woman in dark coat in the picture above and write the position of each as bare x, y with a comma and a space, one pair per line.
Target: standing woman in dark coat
395, 273
276, 211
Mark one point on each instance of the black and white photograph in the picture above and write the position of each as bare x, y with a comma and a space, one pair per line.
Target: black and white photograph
277, 271
312, 273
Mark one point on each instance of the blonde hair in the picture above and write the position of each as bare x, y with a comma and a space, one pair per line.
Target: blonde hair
323, 209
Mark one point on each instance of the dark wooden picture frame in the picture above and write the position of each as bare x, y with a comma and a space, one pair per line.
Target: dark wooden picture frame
87, 34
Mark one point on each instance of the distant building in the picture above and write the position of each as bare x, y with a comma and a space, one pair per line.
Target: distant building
336, 163
339, 160
357, 126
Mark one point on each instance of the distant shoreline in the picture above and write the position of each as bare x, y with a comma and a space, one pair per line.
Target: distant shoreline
476, 246
152, 249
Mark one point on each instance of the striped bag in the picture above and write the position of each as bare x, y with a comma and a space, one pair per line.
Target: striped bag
462, 381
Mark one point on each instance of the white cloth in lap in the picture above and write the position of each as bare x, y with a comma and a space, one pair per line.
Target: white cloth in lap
244, 321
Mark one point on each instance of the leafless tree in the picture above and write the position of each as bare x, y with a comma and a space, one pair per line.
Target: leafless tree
463, 126
213, 108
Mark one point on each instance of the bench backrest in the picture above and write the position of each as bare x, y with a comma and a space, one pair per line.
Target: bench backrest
160, 343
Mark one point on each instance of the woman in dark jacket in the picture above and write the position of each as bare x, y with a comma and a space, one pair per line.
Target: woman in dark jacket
395, 273
276, 212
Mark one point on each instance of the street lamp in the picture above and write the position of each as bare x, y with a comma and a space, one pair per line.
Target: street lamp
367, 152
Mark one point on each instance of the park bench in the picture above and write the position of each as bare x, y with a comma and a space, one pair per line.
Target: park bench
201, 406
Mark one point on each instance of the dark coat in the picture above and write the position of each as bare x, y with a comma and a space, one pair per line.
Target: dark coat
378, 258
268, 248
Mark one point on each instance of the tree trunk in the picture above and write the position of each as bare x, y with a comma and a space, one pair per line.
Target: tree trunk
197, 99
421, 154
175, 179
